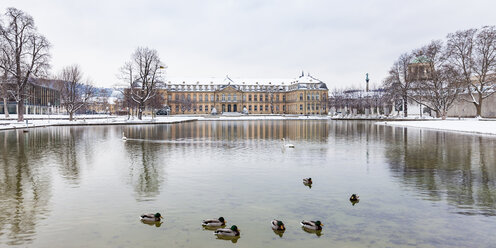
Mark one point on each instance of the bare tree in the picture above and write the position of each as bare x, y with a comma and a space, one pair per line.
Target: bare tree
143, 75
473, 53
25, 52
74, 93
186, 104
4, 92
443, 84
400, 81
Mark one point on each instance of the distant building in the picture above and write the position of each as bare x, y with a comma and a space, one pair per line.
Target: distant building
304, 95
42, 96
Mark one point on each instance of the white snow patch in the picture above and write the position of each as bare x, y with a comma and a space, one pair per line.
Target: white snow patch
478, 126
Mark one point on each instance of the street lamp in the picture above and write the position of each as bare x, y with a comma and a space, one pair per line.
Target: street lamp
48, 112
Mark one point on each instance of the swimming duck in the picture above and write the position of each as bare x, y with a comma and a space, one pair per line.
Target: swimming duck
312, 225
123, 136
151, 217
214, 222
307, 181
277, 225
230, 232
287, 145
354, 197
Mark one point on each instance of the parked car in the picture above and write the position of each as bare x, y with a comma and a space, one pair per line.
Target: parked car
162, 111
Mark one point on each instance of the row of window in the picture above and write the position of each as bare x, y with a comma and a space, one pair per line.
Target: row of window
233, 97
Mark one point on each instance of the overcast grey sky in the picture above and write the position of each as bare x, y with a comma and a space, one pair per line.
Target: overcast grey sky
336, 41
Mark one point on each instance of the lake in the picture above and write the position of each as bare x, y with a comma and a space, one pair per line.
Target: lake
86, 187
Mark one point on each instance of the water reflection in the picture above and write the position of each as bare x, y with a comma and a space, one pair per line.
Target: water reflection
317, 233
145, 168
26, 187
165, 167
441, 165
233, 131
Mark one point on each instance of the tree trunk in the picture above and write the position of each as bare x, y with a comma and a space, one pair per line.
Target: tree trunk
140, 112
5, 109
71, 114
405, 106
478, 106
20, 110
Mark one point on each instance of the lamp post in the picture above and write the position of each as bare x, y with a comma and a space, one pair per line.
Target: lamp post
48, 112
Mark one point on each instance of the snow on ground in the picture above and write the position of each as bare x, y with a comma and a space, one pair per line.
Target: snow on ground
63, 120
478, 126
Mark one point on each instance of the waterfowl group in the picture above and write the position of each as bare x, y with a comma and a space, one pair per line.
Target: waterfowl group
234, 233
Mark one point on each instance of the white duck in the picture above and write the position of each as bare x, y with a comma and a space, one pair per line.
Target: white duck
123, 136
287, 145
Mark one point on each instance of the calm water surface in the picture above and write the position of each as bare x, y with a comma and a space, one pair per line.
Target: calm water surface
85, 187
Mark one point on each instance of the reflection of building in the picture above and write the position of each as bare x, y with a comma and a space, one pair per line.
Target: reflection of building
303, 95
40, 96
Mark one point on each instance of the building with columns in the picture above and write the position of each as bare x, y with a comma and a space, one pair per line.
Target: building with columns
304, 95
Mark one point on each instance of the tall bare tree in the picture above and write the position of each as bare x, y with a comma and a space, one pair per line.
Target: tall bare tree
443, 83
399, 81
25, 50
473, 54
4, 92
74, 93
143, 74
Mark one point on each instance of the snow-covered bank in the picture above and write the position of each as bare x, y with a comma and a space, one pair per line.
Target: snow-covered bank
63, 120
475, 126
92, 120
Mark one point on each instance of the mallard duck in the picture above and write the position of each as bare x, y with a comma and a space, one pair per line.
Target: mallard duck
287, 145
214, 222
354, 197
312, 225
151, 217
229, 232
307, 181
277, 225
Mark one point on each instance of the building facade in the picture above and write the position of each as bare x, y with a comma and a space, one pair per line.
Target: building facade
304, 95
41, 97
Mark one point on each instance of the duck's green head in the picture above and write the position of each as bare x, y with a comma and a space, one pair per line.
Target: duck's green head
280, 225
318, 223
234, 228
221, 219
158, 215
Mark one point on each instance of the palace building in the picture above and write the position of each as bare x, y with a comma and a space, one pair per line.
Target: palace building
304, 95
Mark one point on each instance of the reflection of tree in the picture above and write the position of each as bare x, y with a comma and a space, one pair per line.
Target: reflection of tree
25, 190
69, 165
145, 170
446, 165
